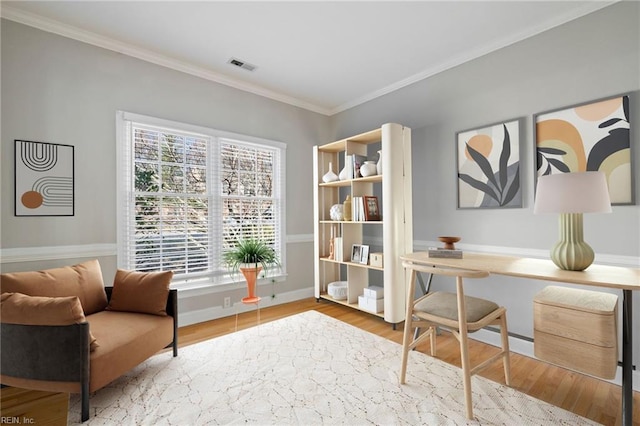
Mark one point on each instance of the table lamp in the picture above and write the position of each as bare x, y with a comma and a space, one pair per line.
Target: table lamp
571, 195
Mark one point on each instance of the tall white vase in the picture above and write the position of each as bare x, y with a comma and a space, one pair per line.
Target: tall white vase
379, 163
330, 176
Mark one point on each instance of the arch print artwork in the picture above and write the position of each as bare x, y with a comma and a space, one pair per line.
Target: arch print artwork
488, 161
594, 136
44, 179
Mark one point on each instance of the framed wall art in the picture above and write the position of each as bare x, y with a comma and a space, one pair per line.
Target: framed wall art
593, 136
488, 166
44, 179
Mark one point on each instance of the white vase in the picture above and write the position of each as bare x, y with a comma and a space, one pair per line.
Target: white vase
330, 176
379, 164
368, 168
343, 174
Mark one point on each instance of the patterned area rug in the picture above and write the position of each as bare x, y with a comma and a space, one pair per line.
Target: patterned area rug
306, 369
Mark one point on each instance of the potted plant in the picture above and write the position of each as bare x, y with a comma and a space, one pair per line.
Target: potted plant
251, 256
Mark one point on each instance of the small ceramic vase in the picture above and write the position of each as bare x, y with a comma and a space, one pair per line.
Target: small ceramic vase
346, 208
336, 212
330, 176
379, 164
368, 168
343, 174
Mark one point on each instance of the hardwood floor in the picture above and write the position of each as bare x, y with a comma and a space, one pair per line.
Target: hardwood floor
592, 398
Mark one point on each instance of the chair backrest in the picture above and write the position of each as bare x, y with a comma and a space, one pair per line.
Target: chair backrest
464, 273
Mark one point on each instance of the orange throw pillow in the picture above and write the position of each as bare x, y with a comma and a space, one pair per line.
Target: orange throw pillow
17, 308
143, 292
83, 280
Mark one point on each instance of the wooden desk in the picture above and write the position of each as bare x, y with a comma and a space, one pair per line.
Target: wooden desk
622, 278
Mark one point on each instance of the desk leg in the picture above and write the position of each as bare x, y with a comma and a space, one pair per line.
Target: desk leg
627, 359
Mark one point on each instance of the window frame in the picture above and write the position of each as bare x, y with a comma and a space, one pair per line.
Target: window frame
125, 189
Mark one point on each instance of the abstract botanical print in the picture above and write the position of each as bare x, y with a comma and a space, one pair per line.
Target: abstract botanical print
588, 137
489, 166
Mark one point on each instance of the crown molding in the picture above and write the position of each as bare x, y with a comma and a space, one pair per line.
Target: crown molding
477, 53
64, 30
88, 37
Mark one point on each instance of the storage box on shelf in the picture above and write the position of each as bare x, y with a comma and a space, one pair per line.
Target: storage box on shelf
393, 191
370, 304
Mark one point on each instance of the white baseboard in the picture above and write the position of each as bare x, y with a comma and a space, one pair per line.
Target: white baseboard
202, 315
525, 347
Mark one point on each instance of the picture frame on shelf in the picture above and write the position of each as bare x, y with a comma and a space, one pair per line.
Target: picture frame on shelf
590, 136
356, 250
371, 208
364, 255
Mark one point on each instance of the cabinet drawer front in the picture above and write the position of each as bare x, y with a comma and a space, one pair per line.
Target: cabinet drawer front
594, 329
576, 355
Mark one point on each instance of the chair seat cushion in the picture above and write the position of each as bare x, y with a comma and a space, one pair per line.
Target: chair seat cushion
445, 305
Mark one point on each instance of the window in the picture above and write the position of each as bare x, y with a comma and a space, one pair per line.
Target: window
187, 194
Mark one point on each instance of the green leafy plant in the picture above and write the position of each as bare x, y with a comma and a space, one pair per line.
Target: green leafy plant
251, 251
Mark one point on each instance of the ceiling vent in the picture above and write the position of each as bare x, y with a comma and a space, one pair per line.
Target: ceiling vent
242, 64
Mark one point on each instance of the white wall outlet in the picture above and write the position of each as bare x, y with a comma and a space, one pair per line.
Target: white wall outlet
227, 302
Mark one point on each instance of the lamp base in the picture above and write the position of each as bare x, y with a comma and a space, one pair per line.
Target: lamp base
572, 253
572, 256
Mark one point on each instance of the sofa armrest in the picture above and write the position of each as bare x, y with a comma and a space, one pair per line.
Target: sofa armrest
52, 353
46, 352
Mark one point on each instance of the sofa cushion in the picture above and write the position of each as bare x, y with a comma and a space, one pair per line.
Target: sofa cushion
126, 339
17, 308
142, 292
83, 280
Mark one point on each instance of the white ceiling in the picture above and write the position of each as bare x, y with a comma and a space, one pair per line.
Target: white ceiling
322, 56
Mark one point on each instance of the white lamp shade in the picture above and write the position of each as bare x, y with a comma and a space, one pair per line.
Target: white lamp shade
581, 192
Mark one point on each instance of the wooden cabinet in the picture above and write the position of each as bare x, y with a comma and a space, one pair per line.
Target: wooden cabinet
389, 237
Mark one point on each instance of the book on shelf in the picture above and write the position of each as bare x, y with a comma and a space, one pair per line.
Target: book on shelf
357, 209
337, 249
445, 253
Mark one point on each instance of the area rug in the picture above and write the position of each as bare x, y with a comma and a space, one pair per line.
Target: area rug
306, 369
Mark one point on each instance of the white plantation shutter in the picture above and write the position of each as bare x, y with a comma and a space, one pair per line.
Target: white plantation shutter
187, 194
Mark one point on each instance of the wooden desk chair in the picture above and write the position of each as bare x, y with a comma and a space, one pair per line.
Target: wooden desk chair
458, 313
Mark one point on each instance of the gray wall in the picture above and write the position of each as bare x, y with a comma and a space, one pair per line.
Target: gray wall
59, 90
590, 58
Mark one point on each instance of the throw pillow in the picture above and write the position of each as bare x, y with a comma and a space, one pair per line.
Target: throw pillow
83, 280
17, 308
143, 292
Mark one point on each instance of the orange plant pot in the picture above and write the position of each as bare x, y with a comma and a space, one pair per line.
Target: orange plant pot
250, 276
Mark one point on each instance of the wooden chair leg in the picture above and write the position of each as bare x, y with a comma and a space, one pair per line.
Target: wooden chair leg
405, 350
408, 319
504, 333
432, 340
464, 348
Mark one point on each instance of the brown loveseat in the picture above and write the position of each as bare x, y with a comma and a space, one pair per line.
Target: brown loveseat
63, 331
